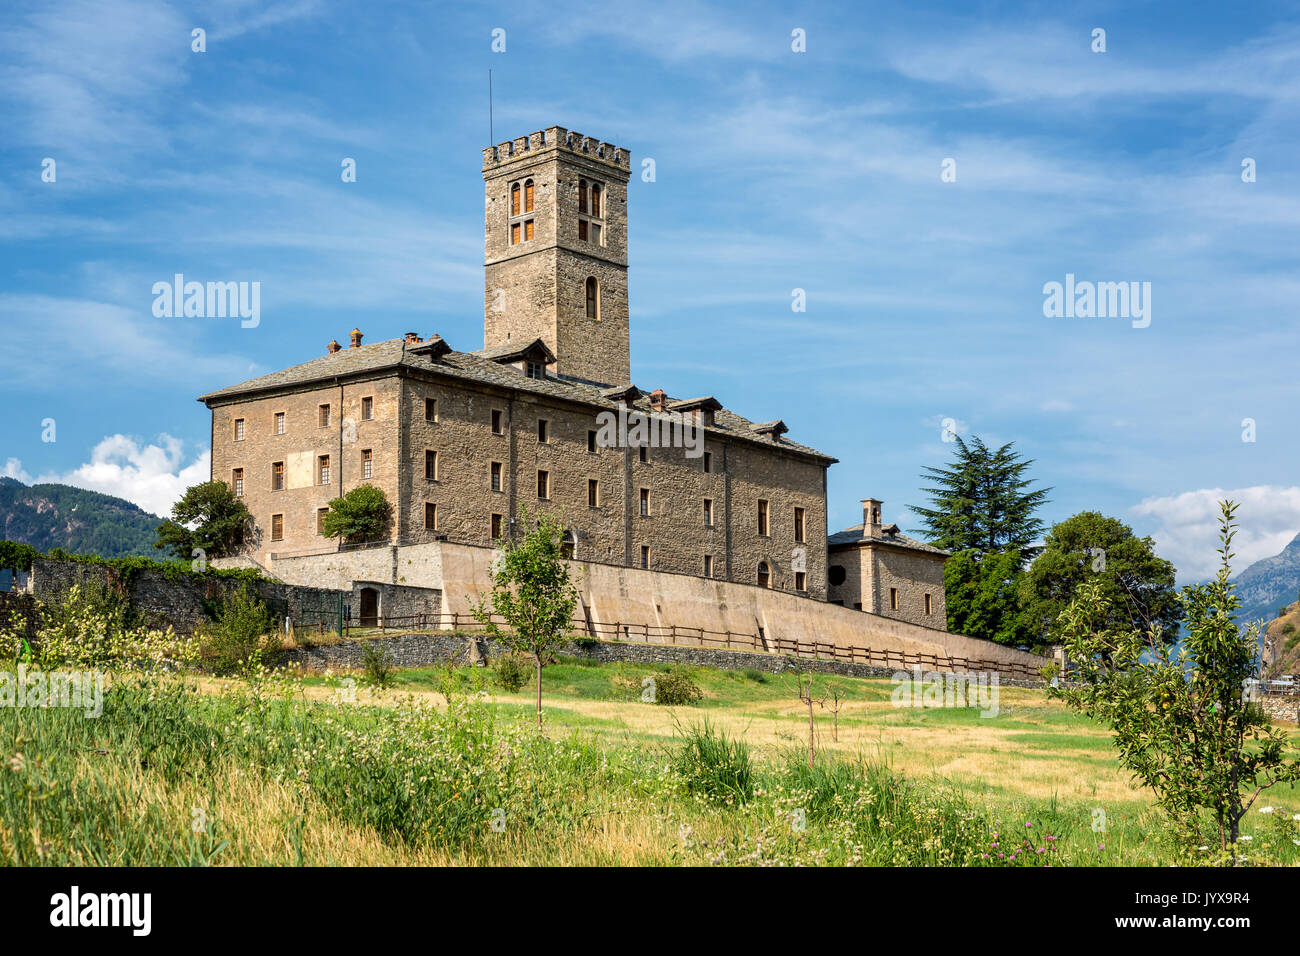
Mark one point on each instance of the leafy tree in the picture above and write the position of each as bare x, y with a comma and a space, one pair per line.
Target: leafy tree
208, 517
363, 514
16, 556
982, 596
1138, 585
532, 591
982, 502
1182, 717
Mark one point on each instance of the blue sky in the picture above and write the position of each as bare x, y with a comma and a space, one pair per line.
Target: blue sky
774, 170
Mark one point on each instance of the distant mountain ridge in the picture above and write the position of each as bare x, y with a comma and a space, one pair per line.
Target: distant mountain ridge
50, 516
1269, 584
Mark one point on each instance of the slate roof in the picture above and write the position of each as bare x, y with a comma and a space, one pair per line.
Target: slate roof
854, 535
394, 354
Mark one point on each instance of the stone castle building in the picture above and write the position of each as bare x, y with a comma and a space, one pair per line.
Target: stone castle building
463, 442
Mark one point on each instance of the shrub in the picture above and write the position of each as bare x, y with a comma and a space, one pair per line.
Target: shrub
676, 688
512, 672
377, 663
243, 628
714, 766
757, 676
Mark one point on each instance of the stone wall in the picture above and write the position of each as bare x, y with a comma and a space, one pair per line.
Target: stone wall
1279, 707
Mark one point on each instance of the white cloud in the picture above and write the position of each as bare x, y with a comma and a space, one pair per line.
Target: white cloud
1268, 518
152, 476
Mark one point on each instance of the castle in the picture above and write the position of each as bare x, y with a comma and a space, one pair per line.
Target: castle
463, 442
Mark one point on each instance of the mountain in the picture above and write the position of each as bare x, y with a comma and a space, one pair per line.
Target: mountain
85, 522
1269, 584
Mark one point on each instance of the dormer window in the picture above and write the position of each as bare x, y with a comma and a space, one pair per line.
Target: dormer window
534, 370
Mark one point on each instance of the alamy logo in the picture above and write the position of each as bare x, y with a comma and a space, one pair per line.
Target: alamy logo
103, 909
83, 690
658, 430
932, 689
1100, 300
212, 300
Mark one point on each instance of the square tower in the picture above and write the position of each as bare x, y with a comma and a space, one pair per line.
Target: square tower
555, 251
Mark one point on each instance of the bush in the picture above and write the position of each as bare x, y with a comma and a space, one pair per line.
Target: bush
676, 688
712, 765
243, 628
512, 673
377, 663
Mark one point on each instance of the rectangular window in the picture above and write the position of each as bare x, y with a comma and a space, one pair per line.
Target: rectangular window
279, 423
324, 417
643, 453
496, 422
798, 525
929, 608
708, 565
277, 527
367, 464
800, 581
893, 599
535, 370
528, 229
708, 511
708, 462
430, 409
857, 605
277, 476
582, 229
514, 234
323, 467
496, 476
430, 516
238, 482
593, 493
320, 520
367, 409
645, 502
762, 517
431, 465
495, 531
645, 556
595, 233
543, 484
239, 429
528, 196
543, 427
591, 442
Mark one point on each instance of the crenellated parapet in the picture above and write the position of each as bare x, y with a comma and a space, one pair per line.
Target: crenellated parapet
555, 137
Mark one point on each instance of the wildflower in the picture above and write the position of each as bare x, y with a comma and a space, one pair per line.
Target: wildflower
1245, 839
1267, 809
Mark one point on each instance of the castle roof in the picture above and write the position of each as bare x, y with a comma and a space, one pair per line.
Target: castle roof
397, 355
889, 535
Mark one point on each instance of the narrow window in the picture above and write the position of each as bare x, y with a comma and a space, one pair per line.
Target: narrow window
238, 482
324, 416
495, 531
893, 599
430, 409
528, 196
496, 476
514, 200
595, 234
708, 565
567, 545
582, 195
496, 422
929, 608
542, 430
367, 464
430, 465
595, 199
708, 462
430, 516
762, 517
643, 452
800, 581
798, 525
323, 466
277, 527
582, 229
593, 493
514, 234
320, 520
367, 409
239, 429
645, 502
645, 556
708, 511
528, 229
277, 476
593, 303
591, 442
764, 576
543, 484
279, 423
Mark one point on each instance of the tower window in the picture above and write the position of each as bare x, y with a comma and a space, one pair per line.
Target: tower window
496, 476
528, 229
593, 298
764, 575
239, 429
430, 516
929, 607
495, 531
591, 442
367, 409
643, 454
708, 511
582, 195
277, 476
893, 599
239, 482
708, 462
430, 409
324, 416
514, 200
800, 581
496, 422
593, 493
277, 527
528, 196
798, 526
543, 484
595, 234
430, 465
645, 556
582, 229
324, 469
762, 517
543, 431
367, 463
514, 234
279, 423
708, 565
595, 199
645, 502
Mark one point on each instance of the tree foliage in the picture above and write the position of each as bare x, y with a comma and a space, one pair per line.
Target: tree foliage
208, 518
363, 514
16, 556
1138, 585
533, 593
1182, 717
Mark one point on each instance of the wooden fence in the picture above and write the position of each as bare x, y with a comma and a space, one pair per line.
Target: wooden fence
721, 640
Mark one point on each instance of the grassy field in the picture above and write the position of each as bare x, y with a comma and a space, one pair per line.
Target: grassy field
444, 767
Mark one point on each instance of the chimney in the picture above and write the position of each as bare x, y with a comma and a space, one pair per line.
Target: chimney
871, 509
356, 338
333, 346
413, 339
658, 399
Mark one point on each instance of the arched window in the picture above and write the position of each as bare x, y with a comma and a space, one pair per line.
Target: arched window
595, 199
593, 298
582, 195
764, 575
514, 200
567, 544
528, 196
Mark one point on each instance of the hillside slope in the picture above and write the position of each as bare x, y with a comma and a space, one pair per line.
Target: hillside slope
59, 516
1269, 584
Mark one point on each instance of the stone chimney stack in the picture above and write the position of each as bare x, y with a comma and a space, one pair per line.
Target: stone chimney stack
413, 338
658, 399
333, 346
871, 511
356, 338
